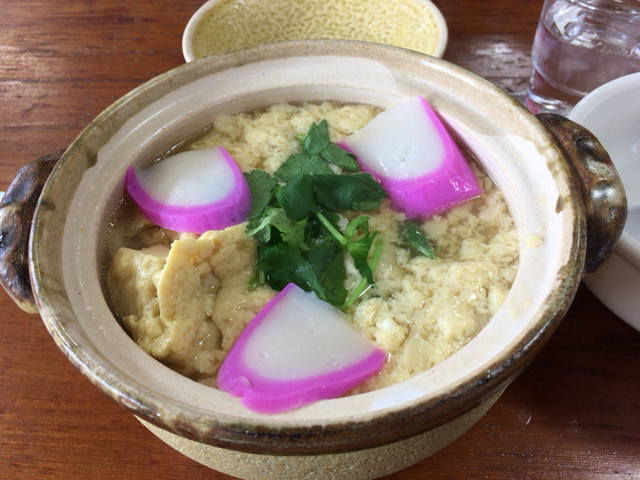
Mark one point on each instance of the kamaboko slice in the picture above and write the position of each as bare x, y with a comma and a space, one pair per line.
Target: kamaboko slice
409, 151
296, 351
192, 191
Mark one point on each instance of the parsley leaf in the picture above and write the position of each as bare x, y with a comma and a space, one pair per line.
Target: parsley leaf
317, 139
328, 265
414, 237
296, 197
320, 269
317, 143
290, 232
359, 249
262, 186
295, 217
359, 191
341, 158
300, 164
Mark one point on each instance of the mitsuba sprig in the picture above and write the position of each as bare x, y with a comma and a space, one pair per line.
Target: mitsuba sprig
296, 217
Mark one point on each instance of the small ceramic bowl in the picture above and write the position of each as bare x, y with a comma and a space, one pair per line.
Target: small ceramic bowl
561, 233
224, 25
612, 113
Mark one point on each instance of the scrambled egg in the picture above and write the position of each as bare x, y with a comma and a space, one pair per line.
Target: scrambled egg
186, 303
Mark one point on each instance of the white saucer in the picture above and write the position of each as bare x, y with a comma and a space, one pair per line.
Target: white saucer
612, 113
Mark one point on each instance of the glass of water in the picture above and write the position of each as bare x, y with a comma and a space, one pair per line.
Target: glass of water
579, 45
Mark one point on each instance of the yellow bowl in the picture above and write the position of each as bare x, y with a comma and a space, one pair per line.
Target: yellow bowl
225, 25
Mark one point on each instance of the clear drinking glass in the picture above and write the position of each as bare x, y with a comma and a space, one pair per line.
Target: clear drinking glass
579, 45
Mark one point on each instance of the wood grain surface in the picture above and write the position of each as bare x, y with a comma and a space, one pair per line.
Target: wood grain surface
573, 414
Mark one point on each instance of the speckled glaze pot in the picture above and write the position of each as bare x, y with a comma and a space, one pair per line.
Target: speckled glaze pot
569, 215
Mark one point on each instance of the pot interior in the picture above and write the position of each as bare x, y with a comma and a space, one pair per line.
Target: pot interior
86, 186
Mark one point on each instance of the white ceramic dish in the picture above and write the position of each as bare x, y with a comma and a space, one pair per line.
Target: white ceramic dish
232, 24
612, 113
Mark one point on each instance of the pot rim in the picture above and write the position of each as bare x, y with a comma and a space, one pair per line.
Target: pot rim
299, 437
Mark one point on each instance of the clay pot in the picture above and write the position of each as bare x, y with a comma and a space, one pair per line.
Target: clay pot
567, 201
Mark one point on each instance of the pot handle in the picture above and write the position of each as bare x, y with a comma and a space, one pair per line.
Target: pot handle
17, 208
601, 188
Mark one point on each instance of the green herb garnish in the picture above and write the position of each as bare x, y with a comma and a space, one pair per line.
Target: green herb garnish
295, 215
413, 236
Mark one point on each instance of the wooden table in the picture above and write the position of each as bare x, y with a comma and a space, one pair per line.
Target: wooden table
573, 414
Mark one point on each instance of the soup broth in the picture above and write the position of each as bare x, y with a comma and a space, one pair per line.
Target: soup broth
185, 298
